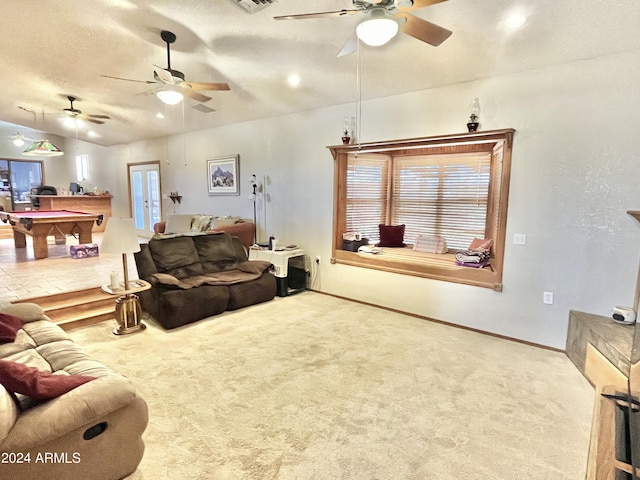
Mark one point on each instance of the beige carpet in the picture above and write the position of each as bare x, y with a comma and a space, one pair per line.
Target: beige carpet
313, 387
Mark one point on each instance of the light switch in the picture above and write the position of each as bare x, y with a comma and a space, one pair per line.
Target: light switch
519, 239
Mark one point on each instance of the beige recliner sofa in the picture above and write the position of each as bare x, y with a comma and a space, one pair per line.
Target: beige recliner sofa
91, 432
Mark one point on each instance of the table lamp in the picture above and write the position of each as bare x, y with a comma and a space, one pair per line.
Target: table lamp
120, 237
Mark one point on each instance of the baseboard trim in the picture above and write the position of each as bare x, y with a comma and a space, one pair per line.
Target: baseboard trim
442, 322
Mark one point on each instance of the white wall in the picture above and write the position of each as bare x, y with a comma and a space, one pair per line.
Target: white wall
575, 173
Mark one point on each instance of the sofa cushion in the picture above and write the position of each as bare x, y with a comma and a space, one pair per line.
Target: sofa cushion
28, 312
178, 223
176, 256
31, 382
9, 326
201, 223
215, 251
205, 223
221, 222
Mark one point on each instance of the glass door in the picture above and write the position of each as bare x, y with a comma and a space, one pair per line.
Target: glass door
144, 181
17, 179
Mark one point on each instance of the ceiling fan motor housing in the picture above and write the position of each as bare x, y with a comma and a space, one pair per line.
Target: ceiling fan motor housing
366, 5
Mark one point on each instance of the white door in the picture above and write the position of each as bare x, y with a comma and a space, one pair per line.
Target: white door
144, 181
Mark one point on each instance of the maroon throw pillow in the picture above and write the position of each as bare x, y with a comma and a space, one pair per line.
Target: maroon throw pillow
9, 326
391, 235
29, 381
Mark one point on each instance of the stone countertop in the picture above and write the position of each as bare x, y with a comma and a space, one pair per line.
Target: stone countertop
613, 340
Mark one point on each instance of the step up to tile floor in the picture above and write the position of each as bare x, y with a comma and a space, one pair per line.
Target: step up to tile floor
5, 231
77, 308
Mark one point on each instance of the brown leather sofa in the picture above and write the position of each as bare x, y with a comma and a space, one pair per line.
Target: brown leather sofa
199, 275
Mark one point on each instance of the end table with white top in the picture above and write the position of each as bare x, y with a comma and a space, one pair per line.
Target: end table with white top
289, 268
128, 311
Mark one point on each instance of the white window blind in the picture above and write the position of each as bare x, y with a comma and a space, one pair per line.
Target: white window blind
441, 195
367, 194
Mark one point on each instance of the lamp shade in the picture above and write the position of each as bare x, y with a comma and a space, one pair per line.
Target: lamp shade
43, 148
120, 236
170, 97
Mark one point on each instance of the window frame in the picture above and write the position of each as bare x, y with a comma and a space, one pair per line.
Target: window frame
406, 261
82, 168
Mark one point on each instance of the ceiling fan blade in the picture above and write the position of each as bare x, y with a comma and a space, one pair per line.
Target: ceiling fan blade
419, 4
205, 86
93, 120
349, 46
303, 16
164, 75
198, 97
422, 30
105, 117
127, 79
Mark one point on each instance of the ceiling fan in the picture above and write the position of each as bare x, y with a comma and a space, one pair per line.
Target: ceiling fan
385, 18
174, 80
75, 114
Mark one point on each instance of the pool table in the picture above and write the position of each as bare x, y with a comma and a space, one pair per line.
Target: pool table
39, 224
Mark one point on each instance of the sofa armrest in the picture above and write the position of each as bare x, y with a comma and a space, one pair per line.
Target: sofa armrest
84, 405
27, 312
244, 230
159, 227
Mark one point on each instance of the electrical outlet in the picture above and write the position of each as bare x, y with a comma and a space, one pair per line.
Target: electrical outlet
519, 239
318, 259
547, 298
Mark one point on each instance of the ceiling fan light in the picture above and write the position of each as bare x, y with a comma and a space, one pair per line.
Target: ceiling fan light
71, 122
170, 97
18, 140
377, 31
42, 148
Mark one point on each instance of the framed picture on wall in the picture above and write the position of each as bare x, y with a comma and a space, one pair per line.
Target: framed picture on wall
223, 174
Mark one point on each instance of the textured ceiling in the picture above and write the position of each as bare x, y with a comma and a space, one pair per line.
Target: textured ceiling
51, 49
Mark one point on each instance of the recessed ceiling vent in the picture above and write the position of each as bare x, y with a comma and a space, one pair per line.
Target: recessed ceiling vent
201, 107
253, 6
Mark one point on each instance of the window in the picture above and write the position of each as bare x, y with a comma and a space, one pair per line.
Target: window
455, 186
82, 168
367, 193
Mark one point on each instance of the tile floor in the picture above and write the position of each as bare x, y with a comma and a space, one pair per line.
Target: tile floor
22, 276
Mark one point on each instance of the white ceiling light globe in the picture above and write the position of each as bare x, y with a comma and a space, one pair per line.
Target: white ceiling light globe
377, 31
170, 97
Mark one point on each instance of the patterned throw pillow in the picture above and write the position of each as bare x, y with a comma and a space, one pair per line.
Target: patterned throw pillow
201, 223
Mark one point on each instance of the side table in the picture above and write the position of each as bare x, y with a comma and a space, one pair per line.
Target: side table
128, 311
289, 268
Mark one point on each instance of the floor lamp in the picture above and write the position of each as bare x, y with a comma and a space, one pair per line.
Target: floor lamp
253, 197
120, 237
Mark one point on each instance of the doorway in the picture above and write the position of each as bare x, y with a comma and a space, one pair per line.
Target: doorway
145, 196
